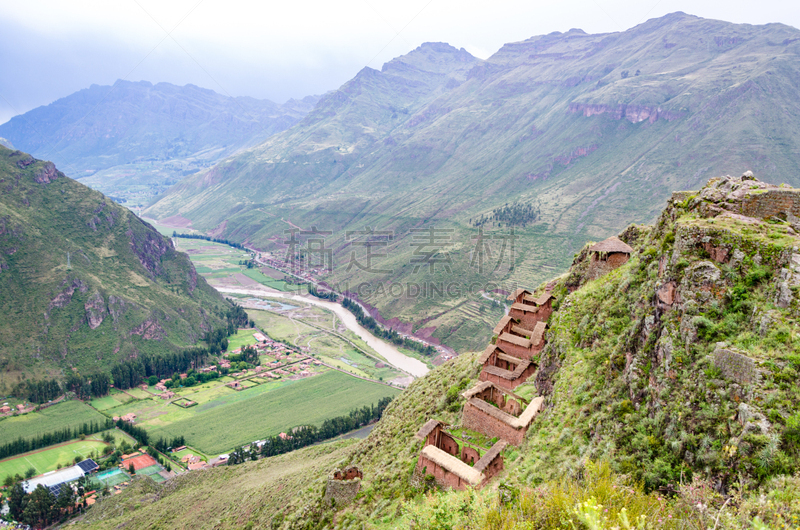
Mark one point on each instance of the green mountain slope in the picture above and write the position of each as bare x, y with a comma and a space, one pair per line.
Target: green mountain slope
590, 131
83, 281
677, 370
133, 140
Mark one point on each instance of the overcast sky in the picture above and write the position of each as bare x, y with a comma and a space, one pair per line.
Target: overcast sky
287, 49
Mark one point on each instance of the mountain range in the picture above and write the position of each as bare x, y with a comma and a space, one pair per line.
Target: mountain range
132, 140
564, 138
84, 282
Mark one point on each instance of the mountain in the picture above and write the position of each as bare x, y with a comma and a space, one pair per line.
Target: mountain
563, 138
133, 140
84, 282
669, 393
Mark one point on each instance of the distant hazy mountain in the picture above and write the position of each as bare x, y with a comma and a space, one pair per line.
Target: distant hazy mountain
133, 139
590, 131
85, 283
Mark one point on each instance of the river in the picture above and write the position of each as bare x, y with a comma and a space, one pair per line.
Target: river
386, 350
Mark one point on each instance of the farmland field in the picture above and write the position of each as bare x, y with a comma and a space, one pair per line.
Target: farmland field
45, 460
242, 337
67, 414
114, 399
217, 429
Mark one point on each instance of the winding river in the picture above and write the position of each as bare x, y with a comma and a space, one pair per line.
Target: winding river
386, 350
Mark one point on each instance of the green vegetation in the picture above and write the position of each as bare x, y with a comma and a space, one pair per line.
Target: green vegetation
68, 414
92, 282
50, 459
218, 426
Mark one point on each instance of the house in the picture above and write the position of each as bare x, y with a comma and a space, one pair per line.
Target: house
528, 309
129, 417
504, 370
167, 395
161, 386
284, 436
20, 408
5, 409
607, 255
260, 337
184, 376
519, 341
143, 387
235, 385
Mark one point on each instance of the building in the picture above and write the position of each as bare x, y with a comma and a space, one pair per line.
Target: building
527, 309
519, 341
498, 413
54, 480
607, 255
504, 370
440, 458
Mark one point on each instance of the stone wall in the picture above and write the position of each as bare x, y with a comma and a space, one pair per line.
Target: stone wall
599, 266
478, 420
771, 202
443, 477
469, 455
508, 384
448, 444
342, 491
735, 366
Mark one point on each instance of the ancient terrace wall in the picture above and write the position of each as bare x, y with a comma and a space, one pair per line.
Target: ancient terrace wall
498, 413
771, 203
519, 341
438, 459
527, 309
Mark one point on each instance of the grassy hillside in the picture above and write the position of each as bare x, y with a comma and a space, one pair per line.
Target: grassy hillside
669, 388
84, 282
591, 131
133, 140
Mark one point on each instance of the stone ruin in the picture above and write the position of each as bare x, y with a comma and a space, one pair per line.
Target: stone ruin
492, 408
440, 458
343, 486
498, 413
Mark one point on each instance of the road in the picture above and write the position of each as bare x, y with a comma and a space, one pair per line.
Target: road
386, 350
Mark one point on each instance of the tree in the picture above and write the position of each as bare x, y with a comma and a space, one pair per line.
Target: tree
17, 500
9, 481
108, 437
30, 473
152, 380
131, 469
65, 499
39, 510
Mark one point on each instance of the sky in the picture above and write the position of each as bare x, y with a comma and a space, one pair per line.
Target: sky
288, 49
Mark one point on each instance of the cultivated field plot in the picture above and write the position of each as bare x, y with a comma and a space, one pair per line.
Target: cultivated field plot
48, 459
219, 428
213, 260
114, 399
68, 414
263, 279
242, 337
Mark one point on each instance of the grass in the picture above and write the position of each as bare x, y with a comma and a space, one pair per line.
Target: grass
219, 426
114, 399
68, 414
242, 337
257, 275
49, 459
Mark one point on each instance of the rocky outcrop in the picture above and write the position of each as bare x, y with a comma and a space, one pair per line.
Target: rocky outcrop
46, 174
149, 247
95, 308
65, 297
150, 329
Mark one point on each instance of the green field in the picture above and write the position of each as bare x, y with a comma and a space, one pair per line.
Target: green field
220, 428
114, 399
68, 414
242, 337
257, 275
48, 459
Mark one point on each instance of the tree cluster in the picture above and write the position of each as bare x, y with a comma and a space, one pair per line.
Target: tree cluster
248, 354
325, 295
387, 334
212, 239
133, 372
86, 387
515, 214
23, 445
41, 508
138, 433
39, 391
165, 445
